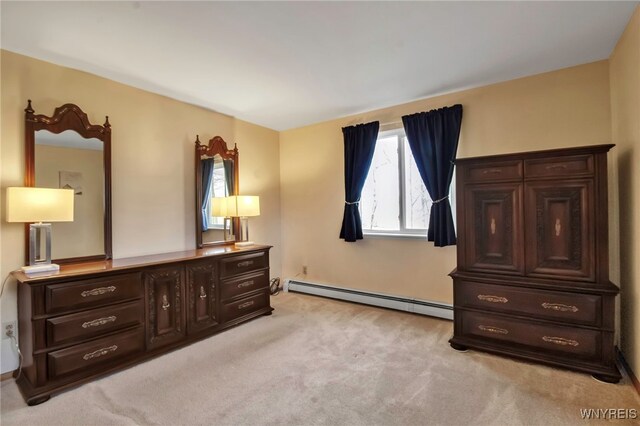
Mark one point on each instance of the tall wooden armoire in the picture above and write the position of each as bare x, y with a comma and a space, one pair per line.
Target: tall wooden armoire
532, 279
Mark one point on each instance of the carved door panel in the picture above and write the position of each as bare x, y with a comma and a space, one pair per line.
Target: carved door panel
560, 228
494, 233
203, 299
164, 291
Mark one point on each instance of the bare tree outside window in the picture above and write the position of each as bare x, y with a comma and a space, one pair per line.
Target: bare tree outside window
418, 201
394, 198
379, 201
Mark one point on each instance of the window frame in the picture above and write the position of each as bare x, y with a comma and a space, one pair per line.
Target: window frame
403, 232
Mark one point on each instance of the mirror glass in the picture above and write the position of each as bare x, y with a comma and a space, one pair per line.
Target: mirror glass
68, 160
217, 177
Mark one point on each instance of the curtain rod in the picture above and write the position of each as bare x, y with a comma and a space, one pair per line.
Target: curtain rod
386, 124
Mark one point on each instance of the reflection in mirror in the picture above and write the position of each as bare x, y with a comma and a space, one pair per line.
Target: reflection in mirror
216, 177
68, 160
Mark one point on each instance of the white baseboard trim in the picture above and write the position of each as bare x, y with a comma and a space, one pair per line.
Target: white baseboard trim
417, 306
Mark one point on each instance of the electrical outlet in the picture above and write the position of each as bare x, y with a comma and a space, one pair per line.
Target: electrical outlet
304, 269
9, 328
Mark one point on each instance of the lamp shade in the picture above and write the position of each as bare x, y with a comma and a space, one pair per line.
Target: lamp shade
26, 204
219, 207
243, 205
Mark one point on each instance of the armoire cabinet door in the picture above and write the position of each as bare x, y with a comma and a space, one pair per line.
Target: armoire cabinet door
560, 228
203, 300
164, 290
493, 228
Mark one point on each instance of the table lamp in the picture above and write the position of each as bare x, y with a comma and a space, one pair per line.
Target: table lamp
219, 209
243, 206
27, 204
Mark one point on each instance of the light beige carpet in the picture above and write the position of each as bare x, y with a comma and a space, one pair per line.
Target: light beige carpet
318, 361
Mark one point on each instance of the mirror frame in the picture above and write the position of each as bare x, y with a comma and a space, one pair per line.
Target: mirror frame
216, 145
70, 117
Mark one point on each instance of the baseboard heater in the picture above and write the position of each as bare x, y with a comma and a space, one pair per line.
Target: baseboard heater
422, 307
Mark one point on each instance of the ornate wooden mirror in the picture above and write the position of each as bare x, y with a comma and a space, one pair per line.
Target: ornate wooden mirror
67, 151
216, 177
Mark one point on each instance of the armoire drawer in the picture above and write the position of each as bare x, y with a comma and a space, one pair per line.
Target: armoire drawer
241, 307
92, 292
87, 324
87, 356
495, 171
244, 284
561, 340
575, 165
235, 265
585, 309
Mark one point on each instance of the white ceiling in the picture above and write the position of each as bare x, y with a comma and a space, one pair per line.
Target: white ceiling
284, 65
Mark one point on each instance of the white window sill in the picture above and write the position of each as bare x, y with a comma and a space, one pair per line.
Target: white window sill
216, 227
395, 235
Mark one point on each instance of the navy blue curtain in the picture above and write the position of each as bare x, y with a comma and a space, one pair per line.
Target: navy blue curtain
433, 138
359, 144
207, 177
229, 176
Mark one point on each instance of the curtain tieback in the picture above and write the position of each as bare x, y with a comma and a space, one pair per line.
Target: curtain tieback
351, 203
440, 200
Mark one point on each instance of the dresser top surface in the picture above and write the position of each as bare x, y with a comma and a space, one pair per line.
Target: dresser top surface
550, 153
103, 266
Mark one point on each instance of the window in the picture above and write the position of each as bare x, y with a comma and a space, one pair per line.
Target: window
394, 199
218, 189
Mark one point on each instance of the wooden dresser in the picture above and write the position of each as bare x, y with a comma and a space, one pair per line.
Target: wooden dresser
532, 279
91, 319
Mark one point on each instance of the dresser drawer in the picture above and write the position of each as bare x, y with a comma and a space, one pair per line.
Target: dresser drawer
93, 292
239, 308
585, 309
235, 265
561, 340
495, 171
576, 165
92, 323
89, 355
245, 284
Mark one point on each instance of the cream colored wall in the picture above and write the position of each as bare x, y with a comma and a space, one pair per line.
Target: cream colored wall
85, 235
260, 175
569, 107
152, 162
625, 112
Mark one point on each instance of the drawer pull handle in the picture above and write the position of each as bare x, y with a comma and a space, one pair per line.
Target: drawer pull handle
98, 291
245, 284
486, 172
492, 299
203, 294
492, 329
560, 341
493, 226
165, 302
560, 307
98, 322
100, 352
245, 263
556, 166
245, 304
